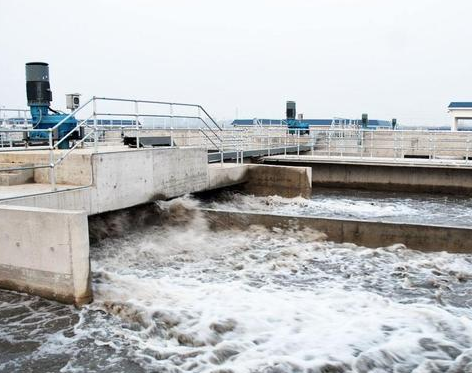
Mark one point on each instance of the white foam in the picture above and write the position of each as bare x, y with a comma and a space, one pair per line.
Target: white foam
291, 301
435, 210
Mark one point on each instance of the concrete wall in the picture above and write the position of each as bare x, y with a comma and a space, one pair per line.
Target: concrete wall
45, 252
365, 233
127, 178
391, 176
74, 170
287, 181
261, 179
221, 176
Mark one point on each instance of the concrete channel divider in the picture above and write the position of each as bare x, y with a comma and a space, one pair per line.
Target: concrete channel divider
45, 252
361, 232
261, 179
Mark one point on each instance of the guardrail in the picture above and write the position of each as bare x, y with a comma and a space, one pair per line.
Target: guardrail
90, 110
205, 132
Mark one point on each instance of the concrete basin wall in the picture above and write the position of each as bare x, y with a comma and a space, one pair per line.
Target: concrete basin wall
74, 170
390, 176
45, 252
365, 233
127, 178
259, 179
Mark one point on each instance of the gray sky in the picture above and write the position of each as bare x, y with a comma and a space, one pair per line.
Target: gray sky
389, 58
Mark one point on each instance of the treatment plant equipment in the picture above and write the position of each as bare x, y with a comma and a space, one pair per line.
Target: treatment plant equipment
294, 125
39, 96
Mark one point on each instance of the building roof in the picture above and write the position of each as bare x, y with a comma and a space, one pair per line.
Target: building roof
460, 105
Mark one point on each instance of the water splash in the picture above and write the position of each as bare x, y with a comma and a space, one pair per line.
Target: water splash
178, 297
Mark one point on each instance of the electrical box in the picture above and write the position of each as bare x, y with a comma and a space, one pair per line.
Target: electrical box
73, 101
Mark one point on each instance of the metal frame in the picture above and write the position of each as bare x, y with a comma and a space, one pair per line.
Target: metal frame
347, 139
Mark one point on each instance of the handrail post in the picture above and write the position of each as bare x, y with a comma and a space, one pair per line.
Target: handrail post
312, 135
329, 143
371, 143
171, 112
52, 173
298, 142
95, 128
286, 138
268, 145
430, 146
136, 111
467, 149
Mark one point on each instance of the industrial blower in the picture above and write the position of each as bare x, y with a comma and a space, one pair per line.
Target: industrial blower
295, 125
43, 117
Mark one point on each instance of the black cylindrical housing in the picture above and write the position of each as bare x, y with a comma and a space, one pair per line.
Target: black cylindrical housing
291, 110
38, 90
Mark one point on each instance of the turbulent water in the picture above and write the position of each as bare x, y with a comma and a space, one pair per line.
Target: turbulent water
356, 204
181, 298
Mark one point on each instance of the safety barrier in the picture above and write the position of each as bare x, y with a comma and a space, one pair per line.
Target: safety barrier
190, 125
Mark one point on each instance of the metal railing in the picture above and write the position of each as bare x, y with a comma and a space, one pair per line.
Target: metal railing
90, 110
277, 139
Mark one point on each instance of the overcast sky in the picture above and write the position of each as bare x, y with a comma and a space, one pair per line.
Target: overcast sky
389, 58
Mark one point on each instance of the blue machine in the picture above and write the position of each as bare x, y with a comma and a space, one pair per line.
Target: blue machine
295, 125
39, 95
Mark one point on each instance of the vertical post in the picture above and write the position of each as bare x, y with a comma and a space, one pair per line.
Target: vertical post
401, 145
298, 142
286, 138
312, 135
242, 146
467, 149
371, 143
329, 143
136, 112
95, 128
268, 145
362, 134
236, 147
52, 172
430, 155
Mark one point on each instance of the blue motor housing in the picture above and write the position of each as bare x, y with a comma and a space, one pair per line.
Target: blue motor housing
43, 120
295, 126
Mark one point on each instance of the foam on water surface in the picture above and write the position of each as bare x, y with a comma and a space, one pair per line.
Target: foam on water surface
355, 204
182, 298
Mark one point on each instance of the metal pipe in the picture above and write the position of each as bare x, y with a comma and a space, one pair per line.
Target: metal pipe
136, 110
52, 174
95, 128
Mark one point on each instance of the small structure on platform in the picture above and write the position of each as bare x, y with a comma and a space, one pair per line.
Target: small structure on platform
459, 110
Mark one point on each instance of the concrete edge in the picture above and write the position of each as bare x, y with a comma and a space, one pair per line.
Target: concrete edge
420, 237
40, 209
361, 162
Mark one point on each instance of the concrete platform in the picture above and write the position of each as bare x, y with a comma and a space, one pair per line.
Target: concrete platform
31, 189
410, 175
257, 153
382, 161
